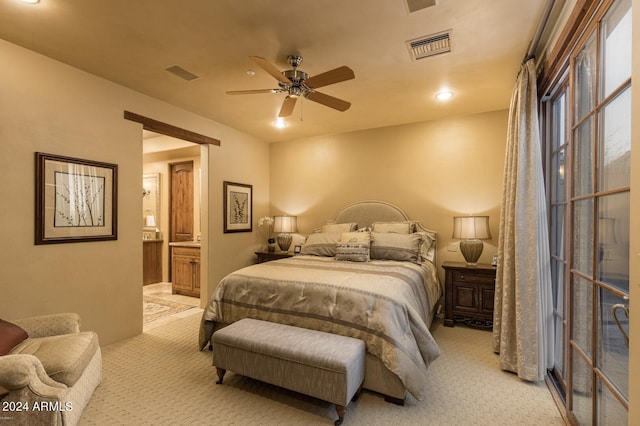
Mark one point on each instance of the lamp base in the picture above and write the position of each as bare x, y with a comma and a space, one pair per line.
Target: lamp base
471, 250
284, 241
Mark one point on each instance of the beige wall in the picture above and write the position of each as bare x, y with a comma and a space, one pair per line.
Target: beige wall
432, 170
50, 107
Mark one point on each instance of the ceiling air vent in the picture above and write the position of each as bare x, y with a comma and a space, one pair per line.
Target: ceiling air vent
182, 73
430, 45
415, 5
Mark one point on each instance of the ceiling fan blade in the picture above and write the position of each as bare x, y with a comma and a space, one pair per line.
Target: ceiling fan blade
250, 92
271, 69
330, 77
329, 101
287, 106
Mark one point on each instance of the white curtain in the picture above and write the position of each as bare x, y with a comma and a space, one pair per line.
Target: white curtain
523, 326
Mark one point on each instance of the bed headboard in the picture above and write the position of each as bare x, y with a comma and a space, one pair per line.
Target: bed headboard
364, 213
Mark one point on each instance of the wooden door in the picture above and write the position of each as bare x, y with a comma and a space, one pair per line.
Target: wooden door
181, 201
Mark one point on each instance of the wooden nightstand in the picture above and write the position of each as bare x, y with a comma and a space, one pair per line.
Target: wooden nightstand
469, 292
267, 256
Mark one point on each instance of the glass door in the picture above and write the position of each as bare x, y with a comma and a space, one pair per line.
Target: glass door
589, 144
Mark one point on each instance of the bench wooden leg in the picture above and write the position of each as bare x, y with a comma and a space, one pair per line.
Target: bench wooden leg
220, 372
341, 410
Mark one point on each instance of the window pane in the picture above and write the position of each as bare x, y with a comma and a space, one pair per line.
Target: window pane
615, 145
583, 159
558, 285
582, 390
585, 77
610, 411
558, 177
559, 135
613, 240
616, 36
582, 256
581, 317
557, 231
613, 353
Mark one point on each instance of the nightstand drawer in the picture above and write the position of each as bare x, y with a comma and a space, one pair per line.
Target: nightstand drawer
460, 276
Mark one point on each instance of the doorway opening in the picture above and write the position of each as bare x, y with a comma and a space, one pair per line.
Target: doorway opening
164, 145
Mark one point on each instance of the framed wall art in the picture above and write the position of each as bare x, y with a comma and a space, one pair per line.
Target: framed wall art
237, 205
76, 200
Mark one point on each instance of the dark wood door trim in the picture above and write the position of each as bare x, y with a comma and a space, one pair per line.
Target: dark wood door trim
170, 130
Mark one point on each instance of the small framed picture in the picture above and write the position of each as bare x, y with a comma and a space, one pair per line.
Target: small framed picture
297, 249
494, 260
237, 205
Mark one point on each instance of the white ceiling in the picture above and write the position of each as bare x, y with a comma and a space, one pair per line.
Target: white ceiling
133, 42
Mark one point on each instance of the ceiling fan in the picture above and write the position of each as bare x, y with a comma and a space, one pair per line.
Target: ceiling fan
297, 83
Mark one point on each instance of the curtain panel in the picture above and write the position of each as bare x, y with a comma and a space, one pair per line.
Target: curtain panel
523, 327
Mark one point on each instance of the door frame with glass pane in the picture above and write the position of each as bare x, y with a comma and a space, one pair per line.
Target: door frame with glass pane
589, 216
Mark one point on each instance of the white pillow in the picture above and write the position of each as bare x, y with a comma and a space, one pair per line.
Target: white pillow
397, 227
427, 249
355, 237
339, 227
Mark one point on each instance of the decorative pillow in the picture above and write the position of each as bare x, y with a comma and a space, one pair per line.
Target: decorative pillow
427, 251
354, 246
321, 244
354, 237
10, 336
339, 227
392, 246
397, 227
353, 252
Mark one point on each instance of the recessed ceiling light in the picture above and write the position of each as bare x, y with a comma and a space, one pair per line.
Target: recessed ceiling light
30, 1
280, 123
444, 95
251, 73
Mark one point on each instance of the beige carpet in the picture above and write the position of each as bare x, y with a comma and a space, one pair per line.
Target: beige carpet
160, 378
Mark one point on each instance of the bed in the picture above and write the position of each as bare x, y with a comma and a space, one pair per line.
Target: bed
368, 273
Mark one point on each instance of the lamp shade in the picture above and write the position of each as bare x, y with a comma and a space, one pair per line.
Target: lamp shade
471, 228
285, 224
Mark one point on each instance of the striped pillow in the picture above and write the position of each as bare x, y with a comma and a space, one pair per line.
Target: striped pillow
354, 246
321, 244
392, 246
353, 252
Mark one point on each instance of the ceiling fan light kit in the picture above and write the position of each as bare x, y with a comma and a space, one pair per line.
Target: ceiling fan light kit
296, 83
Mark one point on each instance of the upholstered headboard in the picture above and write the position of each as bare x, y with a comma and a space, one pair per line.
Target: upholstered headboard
364, 213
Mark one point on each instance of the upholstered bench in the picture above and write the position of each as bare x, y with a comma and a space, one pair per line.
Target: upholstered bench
326, 366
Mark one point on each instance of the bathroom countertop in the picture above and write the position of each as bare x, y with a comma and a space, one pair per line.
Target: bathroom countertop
185, 244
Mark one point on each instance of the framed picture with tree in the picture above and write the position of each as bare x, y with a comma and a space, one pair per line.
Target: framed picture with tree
238, 208
76, 200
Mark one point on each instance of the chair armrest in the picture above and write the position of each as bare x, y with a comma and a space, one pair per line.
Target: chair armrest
50, 325
23, 370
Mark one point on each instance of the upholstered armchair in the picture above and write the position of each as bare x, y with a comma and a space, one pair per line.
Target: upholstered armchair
49, 376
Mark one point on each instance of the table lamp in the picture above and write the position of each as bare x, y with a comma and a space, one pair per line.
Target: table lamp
471, 230
284, 226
